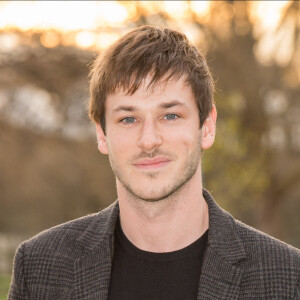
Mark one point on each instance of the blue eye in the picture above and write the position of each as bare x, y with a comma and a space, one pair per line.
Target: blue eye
171, 116
128, 120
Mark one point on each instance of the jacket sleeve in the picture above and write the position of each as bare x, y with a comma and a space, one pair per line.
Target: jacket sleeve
18, 289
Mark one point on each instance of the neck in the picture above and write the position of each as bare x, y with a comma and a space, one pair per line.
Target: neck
166, 225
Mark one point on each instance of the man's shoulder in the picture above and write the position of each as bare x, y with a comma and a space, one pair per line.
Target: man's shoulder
66, 238
271, 267
67, 230
236, 240
266, 248
58, 240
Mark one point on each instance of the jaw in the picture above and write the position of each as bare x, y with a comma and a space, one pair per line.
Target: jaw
154, 186
153, 210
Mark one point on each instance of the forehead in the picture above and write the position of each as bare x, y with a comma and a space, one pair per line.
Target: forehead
161, 91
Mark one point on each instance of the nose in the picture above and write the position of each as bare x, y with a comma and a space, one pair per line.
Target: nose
149, 138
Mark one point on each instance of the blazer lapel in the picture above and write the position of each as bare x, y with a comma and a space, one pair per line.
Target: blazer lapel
92, 274
93, 268
219, 280
221, 275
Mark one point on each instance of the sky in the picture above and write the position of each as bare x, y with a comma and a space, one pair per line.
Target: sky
86, 16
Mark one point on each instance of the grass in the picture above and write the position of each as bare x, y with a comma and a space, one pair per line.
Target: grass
4, 285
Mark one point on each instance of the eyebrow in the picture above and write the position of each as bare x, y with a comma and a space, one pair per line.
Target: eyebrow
161, 105
171, 104
124, 108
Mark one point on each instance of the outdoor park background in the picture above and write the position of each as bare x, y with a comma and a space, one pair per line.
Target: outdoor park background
50, 168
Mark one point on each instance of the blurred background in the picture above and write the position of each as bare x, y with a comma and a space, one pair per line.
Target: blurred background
50, 168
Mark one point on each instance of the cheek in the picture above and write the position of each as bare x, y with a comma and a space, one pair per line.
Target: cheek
181, 145
183, 137
119, 145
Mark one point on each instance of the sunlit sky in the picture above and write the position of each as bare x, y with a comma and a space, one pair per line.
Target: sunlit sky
82, 20
62, 15
87, 15
72, 15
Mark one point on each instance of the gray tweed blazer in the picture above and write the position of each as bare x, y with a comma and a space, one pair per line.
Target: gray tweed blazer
73, 261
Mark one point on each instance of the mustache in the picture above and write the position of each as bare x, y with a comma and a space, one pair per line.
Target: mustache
154, 153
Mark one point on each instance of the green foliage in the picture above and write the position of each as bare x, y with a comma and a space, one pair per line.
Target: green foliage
232, 168
4, 285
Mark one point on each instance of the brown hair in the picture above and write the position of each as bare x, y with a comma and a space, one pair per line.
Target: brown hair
154, 51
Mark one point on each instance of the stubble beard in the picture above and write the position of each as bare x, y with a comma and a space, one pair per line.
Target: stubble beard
166, 192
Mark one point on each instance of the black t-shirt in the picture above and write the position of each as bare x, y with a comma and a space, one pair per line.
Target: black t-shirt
139, 274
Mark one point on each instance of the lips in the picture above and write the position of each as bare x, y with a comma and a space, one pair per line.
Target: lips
150, 163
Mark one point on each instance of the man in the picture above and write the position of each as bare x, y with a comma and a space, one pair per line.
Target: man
165, 237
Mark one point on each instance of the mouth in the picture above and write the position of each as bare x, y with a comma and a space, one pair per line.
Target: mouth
150, 164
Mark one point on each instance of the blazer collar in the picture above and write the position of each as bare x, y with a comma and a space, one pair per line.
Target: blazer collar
93, 268
223, 234
102, 227
220, 275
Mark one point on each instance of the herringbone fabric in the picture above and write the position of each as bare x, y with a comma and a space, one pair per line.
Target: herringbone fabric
73, 261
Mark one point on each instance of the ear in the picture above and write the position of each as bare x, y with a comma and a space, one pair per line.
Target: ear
208, 130
101, 140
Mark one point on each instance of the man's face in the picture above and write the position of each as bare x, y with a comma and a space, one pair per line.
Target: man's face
153, 138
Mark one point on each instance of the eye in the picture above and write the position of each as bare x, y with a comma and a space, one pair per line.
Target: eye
128, 120
171, 117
